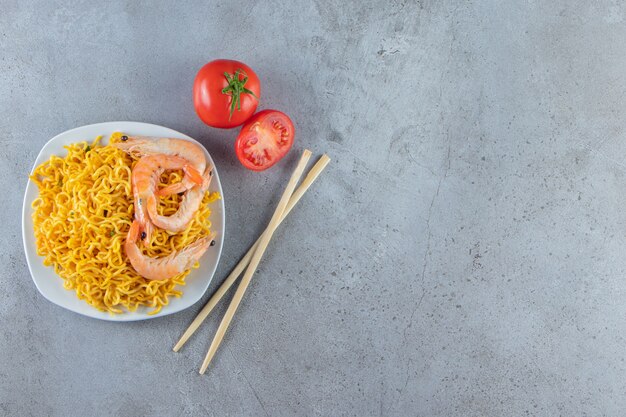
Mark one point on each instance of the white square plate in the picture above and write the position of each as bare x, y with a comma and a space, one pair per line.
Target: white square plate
50, 285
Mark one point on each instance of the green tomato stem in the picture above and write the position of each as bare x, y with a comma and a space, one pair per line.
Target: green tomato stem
235, 89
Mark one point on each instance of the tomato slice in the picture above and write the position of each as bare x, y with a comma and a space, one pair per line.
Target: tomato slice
264, 139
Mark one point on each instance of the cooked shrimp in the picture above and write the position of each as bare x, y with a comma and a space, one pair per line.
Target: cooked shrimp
148, 145
145, 177
188, 207
167, 266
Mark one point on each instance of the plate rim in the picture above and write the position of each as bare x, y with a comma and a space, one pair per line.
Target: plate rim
90, 311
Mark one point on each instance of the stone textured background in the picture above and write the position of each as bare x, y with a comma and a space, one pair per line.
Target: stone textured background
462, 255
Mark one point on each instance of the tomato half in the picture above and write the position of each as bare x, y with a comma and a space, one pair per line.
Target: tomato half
226, 93
264, 139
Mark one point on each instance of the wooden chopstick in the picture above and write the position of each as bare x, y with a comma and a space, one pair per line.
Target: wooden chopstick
256, 258
230, 280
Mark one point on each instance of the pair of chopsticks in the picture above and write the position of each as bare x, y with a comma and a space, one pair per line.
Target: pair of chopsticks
251, 260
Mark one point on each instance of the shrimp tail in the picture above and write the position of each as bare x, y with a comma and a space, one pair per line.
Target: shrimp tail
193, 174
186, 184
179, 187
191, 179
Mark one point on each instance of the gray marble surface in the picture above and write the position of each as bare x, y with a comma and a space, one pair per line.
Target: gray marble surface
462, 255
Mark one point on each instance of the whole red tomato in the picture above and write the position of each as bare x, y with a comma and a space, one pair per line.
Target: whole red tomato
264, 139
226, 93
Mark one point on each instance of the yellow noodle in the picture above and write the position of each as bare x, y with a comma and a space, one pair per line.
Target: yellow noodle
81, 218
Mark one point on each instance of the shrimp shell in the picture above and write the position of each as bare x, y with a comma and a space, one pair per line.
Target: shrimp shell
158, 269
